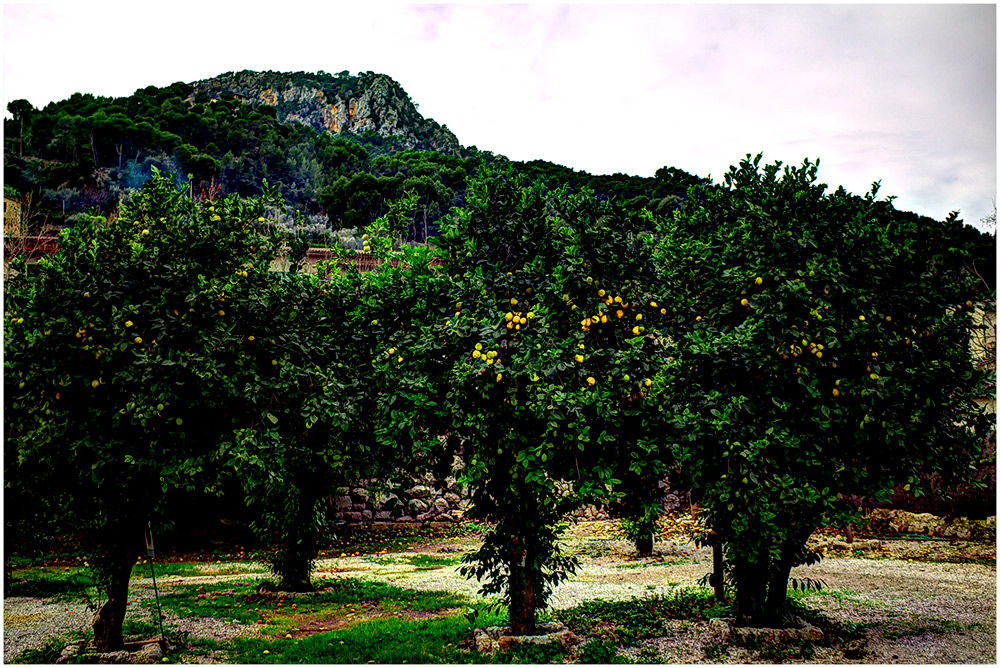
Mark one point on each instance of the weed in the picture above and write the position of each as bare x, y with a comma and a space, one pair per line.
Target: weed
47, 654
771, 650
715, 651
600, 651
531, 653
921, 625
639, 618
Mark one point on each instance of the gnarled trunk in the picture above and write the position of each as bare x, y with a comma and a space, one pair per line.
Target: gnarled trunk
644, 545
522, 592
108, 621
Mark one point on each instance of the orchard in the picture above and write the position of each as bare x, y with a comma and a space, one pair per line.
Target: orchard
775, 347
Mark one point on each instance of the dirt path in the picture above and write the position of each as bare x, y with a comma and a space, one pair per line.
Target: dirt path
913, 611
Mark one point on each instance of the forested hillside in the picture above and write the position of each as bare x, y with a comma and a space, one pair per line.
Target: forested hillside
337, 147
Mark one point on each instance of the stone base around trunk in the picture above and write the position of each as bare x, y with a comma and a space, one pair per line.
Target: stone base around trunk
137, 650
495, 638
726, 631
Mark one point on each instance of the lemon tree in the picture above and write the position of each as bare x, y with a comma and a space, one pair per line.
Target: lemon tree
120, 357
821, 353
530, 357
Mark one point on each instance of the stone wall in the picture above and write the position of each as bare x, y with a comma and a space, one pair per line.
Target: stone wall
427, 500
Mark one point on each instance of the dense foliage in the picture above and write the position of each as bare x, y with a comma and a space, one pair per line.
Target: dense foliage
120, 358
822, 351
776, 346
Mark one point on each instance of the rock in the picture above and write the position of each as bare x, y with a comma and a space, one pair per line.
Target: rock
420, 491
151, 652
383, 515
722, 628
353, 516
361, 493
445, 517
418, 505
452, 498
423, 517
367, 515
359, 507
405, 518
441, 506
854, 650
496, 638
344, 503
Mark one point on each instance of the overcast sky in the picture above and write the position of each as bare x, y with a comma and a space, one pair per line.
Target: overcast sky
905, 94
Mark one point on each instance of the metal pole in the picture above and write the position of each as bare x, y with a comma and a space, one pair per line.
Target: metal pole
150, 552
159, 612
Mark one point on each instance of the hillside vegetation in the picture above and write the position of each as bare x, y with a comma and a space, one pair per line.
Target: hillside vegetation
336, 147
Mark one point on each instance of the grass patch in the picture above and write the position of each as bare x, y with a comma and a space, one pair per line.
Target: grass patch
47, 654
187, 569
417, 560
55, 583
384, 641
342, 601
626, 622
899, 628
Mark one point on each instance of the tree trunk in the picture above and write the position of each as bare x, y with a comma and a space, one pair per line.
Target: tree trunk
777, 594
718, 574
751, 592
522, 593
296, 579
644, 545
110, 617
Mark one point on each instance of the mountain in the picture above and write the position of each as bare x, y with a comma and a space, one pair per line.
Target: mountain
341, 104
338, 147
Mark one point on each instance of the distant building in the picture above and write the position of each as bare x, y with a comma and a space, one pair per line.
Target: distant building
984, 349
13, 225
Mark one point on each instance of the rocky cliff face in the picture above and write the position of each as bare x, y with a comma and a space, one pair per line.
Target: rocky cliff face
341, 104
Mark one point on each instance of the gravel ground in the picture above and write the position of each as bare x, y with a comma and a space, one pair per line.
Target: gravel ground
916, 612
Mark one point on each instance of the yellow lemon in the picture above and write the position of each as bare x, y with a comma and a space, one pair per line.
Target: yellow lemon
128, 323
138, 339
861, 318
513, 302
479, 346
638, 316
601, 293
579, 358
476, 354
744, 302
652, 304
635, 330
758, 280
836, 392
591, 380
619, 313
647, 382
499, 377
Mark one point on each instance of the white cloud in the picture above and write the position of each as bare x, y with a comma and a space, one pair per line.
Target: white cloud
901, 93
